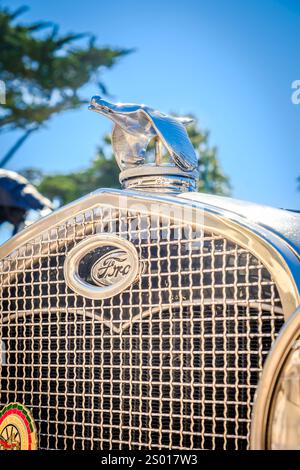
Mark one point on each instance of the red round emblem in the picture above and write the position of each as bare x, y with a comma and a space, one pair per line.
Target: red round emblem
17, 428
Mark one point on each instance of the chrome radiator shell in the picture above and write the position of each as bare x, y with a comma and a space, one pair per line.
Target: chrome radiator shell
173, 361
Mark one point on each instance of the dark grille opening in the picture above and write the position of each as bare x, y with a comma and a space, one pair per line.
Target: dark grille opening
167, 381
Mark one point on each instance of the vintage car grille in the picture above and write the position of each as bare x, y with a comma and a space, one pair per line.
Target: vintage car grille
172, 362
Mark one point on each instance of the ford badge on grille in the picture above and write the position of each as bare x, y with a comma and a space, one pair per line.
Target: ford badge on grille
101, 266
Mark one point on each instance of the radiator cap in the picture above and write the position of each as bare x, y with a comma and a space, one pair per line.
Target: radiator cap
134, 127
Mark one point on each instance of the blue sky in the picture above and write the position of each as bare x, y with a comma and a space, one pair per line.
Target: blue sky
230, 63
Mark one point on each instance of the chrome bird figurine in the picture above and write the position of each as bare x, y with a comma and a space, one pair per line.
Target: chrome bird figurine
135, 125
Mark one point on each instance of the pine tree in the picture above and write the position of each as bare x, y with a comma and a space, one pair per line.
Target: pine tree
44, 71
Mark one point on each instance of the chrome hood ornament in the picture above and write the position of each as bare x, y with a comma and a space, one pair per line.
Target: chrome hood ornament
134, 127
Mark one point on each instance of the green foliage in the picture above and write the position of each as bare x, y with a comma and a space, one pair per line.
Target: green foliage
212, 180
104, 172
43, 70
66, 187
211, 177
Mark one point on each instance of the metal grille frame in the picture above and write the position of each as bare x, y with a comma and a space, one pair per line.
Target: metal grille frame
173, 362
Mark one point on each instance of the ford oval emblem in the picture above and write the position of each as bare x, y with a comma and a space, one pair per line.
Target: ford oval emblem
111, 268
101, 266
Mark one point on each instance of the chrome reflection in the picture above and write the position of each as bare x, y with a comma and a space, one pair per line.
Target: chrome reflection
285, 430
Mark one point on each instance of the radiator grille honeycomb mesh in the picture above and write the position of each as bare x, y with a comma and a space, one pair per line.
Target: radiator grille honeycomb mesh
172, 362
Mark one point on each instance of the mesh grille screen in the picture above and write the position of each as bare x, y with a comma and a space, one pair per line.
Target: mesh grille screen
172, 362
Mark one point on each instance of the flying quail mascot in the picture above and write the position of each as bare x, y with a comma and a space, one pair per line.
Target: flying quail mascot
135, 125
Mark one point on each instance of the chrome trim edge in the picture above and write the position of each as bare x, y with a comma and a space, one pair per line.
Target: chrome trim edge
267, 384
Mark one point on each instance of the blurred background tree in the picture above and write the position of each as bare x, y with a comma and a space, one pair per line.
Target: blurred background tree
104, 172
211, 177
66, 187
43, 72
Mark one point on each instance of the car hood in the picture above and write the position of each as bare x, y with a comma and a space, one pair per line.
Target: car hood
282, 222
